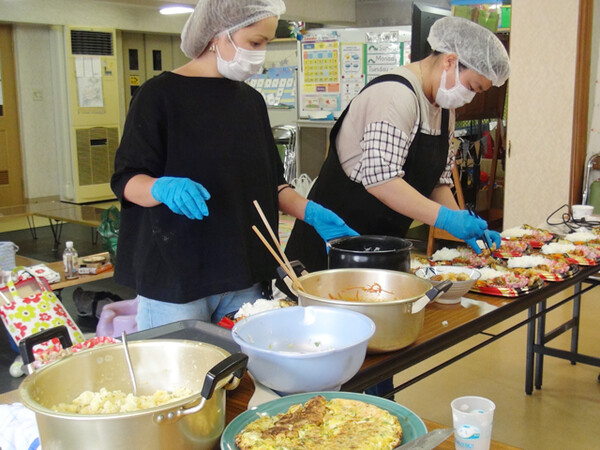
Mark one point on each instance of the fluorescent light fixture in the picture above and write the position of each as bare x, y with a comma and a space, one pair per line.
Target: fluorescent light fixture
176, 9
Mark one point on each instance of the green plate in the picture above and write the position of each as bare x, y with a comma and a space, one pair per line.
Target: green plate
412, 425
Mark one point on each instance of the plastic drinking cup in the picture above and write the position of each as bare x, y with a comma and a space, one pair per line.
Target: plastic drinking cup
472, 418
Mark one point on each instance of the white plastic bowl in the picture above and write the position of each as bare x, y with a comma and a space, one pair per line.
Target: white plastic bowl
458, 288
304, 349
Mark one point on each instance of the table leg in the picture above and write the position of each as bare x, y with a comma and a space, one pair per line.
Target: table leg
56, 232
31, 224
539, 356
529, 351
576, 315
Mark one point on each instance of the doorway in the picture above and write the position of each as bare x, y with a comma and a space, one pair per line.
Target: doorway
146, 55
11, 166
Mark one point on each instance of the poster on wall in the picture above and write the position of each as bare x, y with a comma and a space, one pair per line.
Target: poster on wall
384, 52
352, 71
277, 86
89, 81
321, 81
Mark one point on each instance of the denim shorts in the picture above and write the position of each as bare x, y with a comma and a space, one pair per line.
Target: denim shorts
153, 313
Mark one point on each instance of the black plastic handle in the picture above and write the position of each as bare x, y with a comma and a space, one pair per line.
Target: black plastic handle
235, 364
299, 270
26, 344
434, 292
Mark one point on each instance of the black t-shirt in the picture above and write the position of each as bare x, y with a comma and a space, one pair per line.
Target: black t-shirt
216, 132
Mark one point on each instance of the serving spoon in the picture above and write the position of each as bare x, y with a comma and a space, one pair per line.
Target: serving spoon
128, 359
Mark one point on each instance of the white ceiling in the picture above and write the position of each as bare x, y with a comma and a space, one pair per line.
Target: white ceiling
151, 3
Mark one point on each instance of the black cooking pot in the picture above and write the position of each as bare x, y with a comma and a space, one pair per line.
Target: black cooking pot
376, 252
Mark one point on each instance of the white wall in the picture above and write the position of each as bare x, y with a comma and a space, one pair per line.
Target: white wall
543, 43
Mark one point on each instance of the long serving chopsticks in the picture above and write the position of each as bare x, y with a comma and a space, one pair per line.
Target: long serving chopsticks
485, 242
283, 260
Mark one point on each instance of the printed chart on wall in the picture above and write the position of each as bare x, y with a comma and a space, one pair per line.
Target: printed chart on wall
334, 65
321, 83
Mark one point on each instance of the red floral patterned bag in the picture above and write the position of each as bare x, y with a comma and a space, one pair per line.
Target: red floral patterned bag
30, 306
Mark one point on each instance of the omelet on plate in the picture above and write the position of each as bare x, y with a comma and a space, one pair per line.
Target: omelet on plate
335, 424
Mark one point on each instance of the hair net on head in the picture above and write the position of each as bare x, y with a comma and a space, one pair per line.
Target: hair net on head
212, 17
476, 47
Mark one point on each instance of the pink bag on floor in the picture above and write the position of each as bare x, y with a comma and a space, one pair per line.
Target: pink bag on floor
117, 317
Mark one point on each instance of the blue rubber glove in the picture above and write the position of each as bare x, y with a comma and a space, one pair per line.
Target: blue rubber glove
460, 223
182, 195
493, 238
327, 223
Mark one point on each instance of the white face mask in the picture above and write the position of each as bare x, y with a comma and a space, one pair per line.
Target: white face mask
456, 96
244, 64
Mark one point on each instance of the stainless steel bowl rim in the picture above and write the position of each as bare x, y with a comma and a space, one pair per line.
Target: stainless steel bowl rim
374, 271
185, 401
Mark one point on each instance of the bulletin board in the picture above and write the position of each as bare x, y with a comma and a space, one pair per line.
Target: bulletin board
335, 64
277, 86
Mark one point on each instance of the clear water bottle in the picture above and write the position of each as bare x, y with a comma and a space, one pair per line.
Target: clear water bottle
70, 261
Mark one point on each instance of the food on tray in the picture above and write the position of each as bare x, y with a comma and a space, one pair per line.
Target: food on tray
452, 276
510, 248
335, 424
111, 402
571, 250
538, 262
505, 279
461, 256
583, 237
535, 237
418, 262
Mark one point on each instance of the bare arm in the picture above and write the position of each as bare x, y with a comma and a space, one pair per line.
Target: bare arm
137, 190
443, 195
292, 203
406, 200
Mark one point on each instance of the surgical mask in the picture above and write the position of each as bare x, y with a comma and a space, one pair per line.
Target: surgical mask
244, 64
456, 96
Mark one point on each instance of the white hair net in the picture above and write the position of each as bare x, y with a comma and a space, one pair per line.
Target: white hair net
476, 47
212, 17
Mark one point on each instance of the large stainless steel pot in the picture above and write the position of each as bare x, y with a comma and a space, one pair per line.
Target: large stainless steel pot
195, 422
395, 301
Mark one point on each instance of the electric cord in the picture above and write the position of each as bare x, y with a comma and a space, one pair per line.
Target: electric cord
570, 222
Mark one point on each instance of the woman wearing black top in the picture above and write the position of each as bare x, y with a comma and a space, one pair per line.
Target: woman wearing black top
197, 149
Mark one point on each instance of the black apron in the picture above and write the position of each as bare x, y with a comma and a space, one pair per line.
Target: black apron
425, 163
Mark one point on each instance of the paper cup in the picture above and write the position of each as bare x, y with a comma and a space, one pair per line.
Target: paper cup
472, 418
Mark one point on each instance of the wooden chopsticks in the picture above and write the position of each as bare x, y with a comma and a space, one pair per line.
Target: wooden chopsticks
283, 260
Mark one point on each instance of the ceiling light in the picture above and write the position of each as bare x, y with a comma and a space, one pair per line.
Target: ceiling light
176, 9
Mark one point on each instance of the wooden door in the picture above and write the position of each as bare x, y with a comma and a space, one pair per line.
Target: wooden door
11, 168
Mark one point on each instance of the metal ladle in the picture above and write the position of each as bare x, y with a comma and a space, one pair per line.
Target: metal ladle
129, 365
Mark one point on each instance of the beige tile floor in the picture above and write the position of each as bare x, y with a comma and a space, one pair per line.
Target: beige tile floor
564, 414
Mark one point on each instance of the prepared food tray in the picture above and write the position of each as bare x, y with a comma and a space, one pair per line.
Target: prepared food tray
506, 283
510, 248
461, 256
534, 237
582, 255
546, 267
